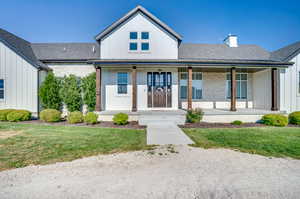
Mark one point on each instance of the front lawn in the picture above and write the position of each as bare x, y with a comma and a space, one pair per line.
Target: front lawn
44, 144
268, 141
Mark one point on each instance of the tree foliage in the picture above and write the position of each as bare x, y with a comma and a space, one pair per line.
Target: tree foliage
89, 91
49, 92
71, 93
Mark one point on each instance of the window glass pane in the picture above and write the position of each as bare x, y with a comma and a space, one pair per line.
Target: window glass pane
243, 76
244, 89
228, 76
183, 75
122, 78
1, 94
132, 46
183, 92
122, 89
238, 89
238, 76
145, 35
133, 35
145, 46
228, 86
1, 83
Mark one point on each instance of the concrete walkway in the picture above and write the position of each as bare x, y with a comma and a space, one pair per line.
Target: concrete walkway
160, 133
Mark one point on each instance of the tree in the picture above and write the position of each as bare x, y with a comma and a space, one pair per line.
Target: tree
89, 91
49, 92
71, 93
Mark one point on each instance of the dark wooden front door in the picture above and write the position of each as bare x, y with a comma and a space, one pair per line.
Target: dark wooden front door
159, 89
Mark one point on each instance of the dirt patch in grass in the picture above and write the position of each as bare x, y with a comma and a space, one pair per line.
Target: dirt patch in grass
130, 125
7, 134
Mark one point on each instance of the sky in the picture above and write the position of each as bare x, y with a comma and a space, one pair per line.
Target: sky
271, 24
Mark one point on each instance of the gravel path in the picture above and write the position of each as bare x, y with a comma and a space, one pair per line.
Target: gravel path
180, 172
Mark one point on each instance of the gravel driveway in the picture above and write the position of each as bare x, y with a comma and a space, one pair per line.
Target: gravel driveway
191, 173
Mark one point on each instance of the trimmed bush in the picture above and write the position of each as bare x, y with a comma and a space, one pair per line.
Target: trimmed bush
75, 117
50, 115
294, 118
194, 116
237, 122
120, 119
71, 93
88, 85
275, 120
19, 115
49, 92
4, 113
91, 118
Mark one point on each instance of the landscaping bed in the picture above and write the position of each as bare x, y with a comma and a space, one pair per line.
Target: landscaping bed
32, 143
102, 124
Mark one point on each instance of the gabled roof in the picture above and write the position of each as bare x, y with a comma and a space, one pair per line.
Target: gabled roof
286, 53
222, 52
21, 47
133, 12
66, 51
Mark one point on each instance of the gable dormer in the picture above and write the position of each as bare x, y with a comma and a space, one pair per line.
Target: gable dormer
138, 35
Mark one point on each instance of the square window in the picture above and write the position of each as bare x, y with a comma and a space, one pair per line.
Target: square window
1, 88
132, 46
145, 46
1, 83
133, 35
145, 35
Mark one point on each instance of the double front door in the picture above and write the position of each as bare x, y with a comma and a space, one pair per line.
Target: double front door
159, 89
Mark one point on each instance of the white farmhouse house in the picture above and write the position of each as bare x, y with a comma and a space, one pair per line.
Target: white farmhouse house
143, 65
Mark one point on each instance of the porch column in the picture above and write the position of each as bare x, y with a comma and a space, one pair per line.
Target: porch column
134, 93
274, 89
233, 89
190, 87
98, 89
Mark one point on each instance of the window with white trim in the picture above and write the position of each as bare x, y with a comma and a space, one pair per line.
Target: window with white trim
196, 85
122, 81
139, 41
241, 85
1, 89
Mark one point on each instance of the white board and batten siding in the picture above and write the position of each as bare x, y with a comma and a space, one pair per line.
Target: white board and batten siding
20, 81
289, 87
162, 45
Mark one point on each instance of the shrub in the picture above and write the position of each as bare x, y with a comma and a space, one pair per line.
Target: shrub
49, 92
50, 115
237, 122
120, 118
194, 116
4, 113
91, 118
75, 117
71, 93
19, 115
275, 120
88, 85
294, 118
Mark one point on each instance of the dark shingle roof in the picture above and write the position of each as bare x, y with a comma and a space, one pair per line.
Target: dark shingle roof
222, 52
66, 51
286, 53
21, 47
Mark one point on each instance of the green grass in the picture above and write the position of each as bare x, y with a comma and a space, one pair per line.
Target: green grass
44, 144
267, 141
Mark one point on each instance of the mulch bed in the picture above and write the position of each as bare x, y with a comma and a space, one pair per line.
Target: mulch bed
130, 125
224, 125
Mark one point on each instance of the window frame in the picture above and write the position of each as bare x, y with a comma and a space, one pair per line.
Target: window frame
2, 99
142, 46
193, 79
137, 35
142, 35
237, 80
122, 84
137, 46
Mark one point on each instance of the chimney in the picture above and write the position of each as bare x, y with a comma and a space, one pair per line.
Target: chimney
231, 40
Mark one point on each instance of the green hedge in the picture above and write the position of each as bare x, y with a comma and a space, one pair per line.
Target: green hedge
50, 115
237, 122
275, 120
120, 119
4, 113
75, 117
91, 118
194, 116
294, 118
19, 115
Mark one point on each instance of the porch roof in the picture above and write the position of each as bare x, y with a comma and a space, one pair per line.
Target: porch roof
194, 62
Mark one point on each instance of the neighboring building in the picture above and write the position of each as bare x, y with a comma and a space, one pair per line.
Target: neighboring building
142, 64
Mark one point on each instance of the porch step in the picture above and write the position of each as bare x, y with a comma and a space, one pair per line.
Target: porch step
177, 119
